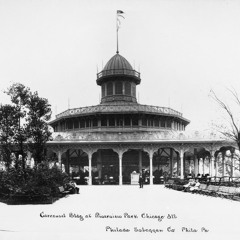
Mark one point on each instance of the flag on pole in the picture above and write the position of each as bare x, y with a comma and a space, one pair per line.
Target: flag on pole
119, 15
120, 12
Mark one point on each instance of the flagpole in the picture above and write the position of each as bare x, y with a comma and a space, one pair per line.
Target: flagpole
119, 14
117, 31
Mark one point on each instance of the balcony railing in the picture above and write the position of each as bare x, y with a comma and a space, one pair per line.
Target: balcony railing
118, 72
119, 108
134, 136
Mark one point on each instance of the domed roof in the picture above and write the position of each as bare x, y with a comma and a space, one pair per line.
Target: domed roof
117, 62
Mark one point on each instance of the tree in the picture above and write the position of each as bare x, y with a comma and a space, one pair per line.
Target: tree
19, 95
231, 128
31, 115
8, 126
39, 112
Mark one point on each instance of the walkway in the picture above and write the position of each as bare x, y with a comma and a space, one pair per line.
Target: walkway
130, 210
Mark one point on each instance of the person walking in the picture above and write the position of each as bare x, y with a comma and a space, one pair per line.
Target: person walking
140, 181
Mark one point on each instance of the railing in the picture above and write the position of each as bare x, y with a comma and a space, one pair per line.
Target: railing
129, 136
118, 72
119, 108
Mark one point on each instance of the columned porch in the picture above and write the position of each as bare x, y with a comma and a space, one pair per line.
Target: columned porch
100, 161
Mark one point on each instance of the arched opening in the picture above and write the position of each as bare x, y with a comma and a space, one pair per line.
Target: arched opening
118, 88
165, 165
75, 163
106, 165
109, 89
134, 161
128, 88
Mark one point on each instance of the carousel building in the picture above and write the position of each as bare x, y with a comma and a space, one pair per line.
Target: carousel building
112, 141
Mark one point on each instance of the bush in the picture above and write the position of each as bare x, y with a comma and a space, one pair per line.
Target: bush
38, 181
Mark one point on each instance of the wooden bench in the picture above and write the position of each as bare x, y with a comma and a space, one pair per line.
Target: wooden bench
178, 184
169, 183
236, 195
224, 192
62, 191
211, 190
202, 188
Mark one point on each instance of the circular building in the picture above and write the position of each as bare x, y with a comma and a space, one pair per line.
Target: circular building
112, 142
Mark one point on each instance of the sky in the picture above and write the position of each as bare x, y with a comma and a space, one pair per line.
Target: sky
183, 50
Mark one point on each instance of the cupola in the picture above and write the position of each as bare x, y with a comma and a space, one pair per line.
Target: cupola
118, 80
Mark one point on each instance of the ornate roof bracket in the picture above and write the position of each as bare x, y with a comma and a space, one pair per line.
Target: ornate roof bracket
58, 149
151, 150
182, 148
120, 150
89, 150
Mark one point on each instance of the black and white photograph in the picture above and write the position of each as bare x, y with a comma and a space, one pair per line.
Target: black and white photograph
119, 119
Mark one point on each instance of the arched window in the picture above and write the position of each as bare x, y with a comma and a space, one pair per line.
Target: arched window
111, 121
128, 88
76, 123
109, 89
95, 122
82, 123
104, 122
163, 122
70, 124
103, 90
127, 121
156, 122
133, 90
118, 88
135, 121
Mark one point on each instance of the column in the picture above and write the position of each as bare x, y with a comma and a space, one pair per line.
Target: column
67, 160
120, 168
151, 168
113, 88
140, 160
178, 158
59, 154
181, 163
223, 164
216, 167
233, 165
209, 166
89, 168
195, 165
203, 167
190, 167
212, 159
140, 122
99, 164
171, 162
105, 86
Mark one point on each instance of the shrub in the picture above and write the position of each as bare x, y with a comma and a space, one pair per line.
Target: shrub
40, 180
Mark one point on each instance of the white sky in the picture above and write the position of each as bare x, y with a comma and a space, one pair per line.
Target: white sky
183, 48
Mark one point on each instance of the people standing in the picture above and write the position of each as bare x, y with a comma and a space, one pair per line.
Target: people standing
140, 181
